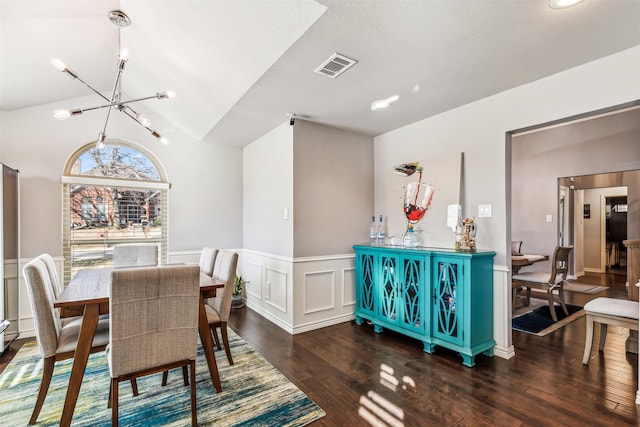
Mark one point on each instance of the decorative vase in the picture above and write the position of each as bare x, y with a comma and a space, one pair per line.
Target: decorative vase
237, 301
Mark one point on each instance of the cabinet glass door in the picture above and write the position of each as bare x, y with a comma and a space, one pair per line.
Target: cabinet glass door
447, 319
389, 288
365, 290
411, 293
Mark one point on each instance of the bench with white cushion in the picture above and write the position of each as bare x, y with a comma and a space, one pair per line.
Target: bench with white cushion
608, 311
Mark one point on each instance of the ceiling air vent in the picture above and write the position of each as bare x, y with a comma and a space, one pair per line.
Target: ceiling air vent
335, 65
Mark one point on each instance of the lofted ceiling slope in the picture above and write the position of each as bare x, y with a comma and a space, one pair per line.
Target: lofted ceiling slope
239, 66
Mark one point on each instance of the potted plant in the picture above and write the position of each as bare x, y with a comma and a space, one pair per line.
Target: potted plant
238, 286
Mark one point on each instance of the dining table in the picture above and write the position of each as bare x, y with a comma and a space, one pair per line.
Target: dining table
519, 261
87, 295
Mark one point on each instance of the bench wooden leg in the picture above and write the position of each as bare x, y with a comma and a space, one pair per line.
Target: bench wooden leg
588, 341
603, 336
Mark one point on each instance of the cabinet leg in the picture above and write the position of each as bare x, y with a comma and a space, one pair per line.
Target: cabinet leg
358, 320
428, 347
469, 361
488, 352
377, 329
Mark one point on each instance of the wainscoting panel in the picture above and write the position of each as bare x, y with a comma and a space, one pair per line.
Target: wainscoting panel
319, 291
10, 290
269, 291
323, 291
11, 274
275, 287
252, 273
298, 295
349, 287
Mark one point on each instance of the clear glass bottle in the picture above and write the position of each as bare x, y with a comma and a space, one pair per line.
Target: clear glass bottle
373, 231
410, 239
381, 231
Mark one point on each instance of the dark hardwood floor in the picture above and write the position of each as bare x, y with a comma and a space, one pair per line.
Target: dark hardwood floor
362, 378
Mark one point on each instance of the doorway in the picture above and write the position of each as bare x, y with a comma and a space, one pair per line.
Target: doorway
598, 222
616, 233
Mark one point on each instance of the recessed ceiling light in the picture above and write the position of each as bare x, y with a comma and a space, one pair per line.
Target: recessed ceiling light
384, 103
561, 4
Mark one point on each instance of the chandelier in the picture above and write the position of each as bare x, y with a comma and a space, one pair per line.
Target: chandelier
120, 20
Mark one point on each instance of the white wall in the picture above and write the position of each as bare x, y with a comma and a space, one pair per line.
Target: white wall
332, 189
478, 130
301, 269
599, 145
268, 191
204, 202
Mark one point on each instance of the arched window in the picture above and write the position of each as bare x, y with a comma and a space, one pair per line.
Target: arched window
114, 195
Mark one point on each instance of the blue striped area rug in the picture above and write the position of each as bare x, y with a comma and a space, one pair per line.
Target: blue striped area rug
254, 393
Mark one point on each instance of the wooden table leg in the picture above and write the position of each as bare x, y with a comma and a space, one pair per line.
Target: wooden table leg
83, 349
207, 346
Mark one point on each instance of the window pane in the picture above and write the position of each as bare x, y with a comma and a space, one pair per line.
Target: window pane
103, 216
116, 161
98, 217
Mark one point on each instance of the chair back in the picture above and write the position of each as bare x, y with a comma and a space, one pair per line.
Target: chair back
208, 260
135, 255
225, 271
560, 264
516, 247
53, 273
154, 322
46, 318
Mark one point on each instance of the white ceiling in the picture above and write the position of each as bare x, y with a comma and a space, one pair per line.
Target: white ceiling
239, 66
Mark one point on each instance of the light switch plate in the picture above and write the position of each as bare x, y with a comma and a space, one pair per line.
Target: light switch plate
484, 211
549, 218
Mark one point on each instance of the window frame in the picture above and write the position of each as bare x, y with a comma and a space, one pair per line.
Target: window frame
69, 179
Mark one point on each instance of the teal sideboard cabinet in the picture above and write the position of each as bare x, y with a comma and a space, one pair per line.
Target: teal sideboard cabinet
439, 296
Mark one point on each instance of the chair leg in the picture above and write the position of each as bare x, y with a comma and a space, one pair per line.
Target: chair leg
214, 334
603, 336
185, 375
527, 299
134, 387
552, 307
194, 411
564, 306
225, 340
114, 402
47, 373
588, 340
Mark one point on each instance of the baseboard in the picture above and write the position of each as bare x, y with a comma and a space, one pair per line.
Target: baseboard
323, 324
270, 317
504, 353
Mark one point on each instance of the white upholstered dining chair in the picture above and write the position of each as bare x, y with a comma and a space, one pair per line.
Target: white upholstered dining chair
219, 310
208, 260
160, 315
57, 338
135, 255
53, 273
